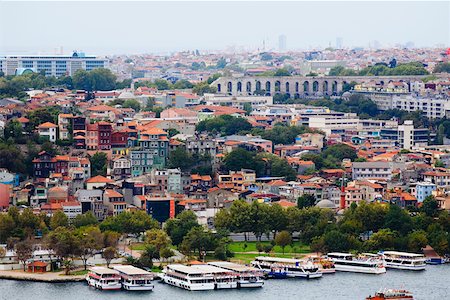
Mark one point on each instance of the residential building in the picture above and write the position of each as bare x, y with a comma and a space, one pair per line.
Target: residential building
371, 170
423, 190
47, 130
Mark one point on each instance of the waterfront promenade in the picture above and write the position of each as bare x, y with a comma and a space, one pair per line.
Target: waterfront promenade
40, 277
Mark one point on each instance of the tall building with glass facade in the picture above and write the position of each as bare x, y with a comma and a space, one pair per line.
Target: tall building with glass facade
52, 65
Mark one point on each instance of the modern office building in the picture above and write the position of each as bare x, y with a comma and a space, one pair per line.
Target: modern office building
52, 65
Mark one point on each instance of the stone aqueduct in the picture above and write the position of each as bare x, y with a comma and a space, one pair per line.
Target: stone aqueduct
297, 86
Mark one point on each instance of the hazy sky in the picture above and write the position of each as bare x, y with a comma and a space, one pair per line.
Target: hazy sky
135, 27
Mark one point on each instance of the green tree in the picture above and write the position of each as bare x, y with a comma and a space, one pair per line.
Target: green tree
99, 164
282, 72
199, 240
442, 68
90, 240
58, 219
417, 240
85, 219
306, 200
132, 103
178, 227
65, 245
24, 251
180, 158
109, 254
283, 239
135, 222
430, 206
204, 88
183, 84
150, 252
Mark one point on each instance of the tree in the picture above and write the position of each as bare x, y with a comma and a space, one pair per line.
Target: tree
11, 158
64, 244
340, 151
248, 108
58, 219
224, 124
204, 88
283, 239
178, 227
282, 72
417, 240
240, 158
166, 253
197, 239
180, 158
135, 223
99, 164
7, 226
383, 239
132, 103
335, 241
24, 251
99, 79
158, 238
14, 130
430, 206
150, 252
109, 254
442, 68
90, 241
306, 200
85, 219
183, 84
277, 218
241, 217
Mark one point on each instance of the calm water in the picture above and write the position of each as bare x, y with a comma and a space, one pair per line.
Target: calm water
434, 283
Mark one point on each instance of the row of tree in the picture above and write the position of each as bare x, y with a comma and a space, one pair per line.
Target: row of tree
382, 69
363, 227
95, 80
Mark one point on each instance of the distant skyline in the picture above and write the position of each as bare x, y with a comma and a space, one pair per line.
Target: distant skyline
162, 27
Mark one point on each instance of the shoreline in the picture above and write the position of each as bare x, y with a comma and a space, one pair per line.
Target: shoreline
45, 277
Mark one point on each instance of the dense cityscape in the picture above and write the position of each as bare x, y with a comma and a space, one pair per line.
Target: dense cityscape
219, 169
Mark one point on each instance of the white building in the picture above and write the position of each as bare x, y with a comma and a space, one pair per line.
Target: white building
52, 65
371, 170
48, 130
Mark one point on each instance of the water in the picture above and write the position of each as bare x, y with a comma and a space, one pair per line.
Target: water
430, 285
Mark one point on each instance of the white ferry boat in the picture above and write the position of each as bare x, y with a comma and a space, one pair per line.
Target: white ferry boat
104, 278
277, 267
404, 260
346, 262
135, 279
189, 278
247, 277
223, 278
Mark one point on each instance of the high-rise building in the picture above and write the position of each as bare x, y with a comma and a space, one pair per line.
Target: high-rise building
339, 43
52, 65
282, 39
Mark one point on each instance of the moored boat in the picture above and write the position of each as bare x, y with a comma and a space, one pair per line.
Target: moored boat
277, 267
391, 294
135, 279
403, 260
346, 262
326, 265
104, 278
188, 278
247, 277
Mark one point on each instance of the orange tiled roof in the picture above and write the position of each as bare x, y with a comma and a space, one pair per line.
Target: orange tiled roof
99, 179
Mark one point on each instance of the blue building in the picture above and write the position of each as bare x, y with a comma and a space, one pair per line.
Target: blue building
423, 190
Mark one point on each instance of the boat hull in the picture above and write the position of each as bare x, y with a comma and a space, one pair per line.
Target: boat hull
149, 287
356, 269
248, 284
188, 286
405, 267
226, 285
